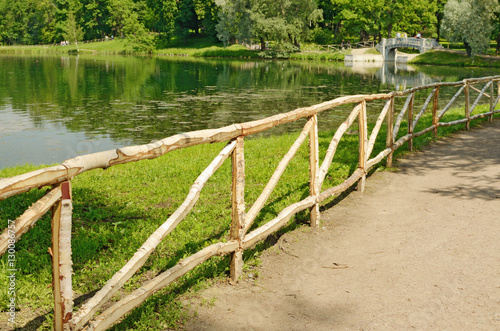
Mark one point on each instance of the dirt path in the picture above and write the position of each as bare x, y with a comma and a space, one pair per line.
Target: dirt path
420, 249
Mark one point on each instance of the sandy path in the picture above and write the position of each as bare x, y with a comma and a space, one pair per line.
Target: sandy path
420, 249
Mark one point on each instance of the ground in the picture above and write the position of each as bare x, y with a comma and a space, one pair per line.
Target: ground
419, 249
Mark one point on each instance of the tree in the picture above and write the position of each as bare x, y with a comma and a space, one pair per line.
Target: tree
73, 31
286, 23
124, 20
470, 22
94, 18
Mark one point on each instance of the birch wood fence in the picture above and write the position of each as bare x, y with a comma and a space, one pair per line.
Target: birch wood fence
59, 199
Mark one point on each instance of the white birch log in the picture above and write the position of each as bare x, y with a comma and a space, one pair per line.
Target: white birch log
400, 116
378, 158
448, 105
34, 179
314, 216
281, 220
376, 129
478, 97
332, 148
401, 141
424, 107
482, 92
125, 305
463, 120
424, 131
28, 219
237, 208
273, 181
363, 141
356, 175
496, 102
116, 282
484, 114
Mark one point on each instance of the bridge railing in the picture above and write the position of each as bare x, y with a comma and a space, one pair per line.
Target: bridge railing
59, 198
412, 42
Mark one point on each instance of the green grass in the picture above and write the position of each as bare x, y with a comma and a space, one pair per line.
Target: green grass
455, 59
115, 210
330, 56
195, 46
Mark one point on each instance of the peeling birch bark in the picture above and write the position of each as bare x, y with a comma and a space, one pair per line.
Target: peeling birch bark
424, 107
314, 216
273, 181
61, 260
281, 220
237, 208
332, 148
401, 115
481, 93
29, 218
445, 109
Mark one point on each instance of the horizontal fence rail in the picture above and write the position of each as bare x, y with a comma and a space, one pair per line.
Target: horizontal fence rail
59, 198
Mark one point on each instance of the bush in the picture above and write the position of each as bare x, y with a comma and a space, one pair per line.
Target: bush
322, 37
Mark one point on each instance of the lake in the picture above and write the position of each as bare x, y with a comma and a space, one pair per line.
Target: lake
56, 107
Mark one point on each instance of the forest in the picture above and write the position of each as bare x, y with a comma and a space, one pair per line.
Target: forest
150, 24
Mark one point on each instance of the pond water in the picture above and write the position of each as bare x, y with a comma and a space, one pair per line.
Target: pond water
56, 107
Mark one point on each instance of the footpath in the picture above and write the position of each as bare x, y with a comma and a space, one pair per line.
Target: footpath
419, 250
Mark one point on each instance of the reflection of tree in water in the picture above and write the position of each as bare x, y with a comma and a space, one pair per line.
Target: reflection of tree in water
143, 99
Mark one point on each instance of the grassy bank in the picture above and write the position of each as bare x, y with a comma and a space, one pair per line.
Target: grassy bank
450, 58
116, 209
197, 47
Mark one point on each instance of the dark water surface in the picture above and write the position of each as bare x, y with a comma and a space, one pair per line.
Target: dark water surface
56, 107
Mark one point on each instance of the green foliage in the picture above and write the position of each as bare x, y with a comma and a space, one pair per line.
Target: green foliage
470, 22
284, 23
73, 33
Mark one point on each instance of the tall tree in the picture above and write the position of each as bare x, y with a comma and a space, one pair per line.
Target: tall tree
470, 22
73, 31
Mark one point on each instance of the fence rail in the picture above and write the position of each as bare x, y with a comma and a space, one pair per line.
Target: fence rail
59, 199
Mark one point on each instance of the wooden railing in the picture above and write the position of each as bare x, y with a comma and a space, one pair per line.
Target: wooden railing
59, 199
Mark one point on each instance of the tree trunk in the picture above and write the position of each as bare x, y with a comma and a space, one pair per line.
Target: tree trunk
498, 44
262, 44
468, 48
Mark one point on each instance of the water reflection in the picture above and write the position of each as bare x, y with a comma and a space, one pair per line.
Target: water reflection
53, 108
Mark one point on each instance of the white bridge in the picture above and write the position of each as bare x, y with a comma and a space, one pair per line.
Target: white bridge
388, 47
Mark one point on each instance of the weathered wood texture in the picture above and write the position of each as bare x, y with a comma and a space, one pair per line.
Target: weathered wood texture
238, 207
59, 198
314, 169
363, 142
28, 219
389, 141
268, 189
61, 259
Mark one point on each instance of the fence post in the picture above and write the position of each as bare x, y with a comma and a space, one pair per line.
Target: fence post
490, 118
390, 129
410, 122
238, 208
435, 119
467, 109
363, 142
61, 259
314, 169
